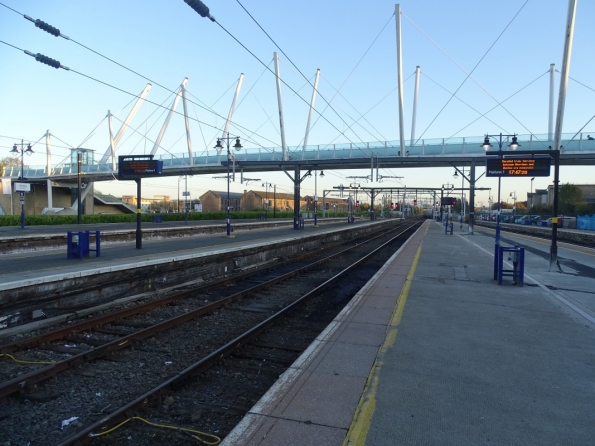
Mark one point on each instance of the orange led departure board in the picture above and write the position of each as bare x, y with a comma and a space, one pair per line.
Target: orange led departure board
518, 167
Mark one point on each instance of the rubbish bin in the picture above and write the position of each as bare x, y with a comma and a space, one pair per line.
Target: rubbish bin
158, 219
516, 255
78, 246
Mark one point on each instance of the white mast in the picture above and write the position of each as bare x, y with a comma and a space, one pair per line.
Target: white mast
187, 123
280, 102
233, 106
312, 102
48, 149
111, 150
400, 78
169, 115
550, 127
565, 72
415, 94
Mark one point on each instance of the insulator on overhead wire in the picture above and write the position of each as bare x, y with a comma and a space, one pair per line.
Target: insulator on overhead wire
200, 7
47, 27
47, 60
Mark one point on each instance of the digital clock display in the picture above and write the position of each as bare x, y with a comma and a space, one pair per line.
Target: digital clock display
518, 167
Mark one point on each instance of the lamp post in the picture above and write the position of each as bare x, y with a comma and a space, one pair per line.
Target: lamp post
28, 151
486, 146
218, 147
448, 188
456, 176
266, 209
531, 195
178, 202
186, 194
316, 193
513, 196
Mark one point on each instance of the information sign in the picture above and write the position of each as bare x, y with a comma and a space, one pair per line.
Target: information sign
22, 187
139, 166
518, 167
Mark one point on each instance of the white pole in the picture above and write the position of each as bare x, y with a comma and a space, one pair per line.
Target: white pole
415, 94
110, 150
400, 78
550, 127
48, 149
112, 144
314, 91
565, 72
280, 102
187, 123
233, 106
169, 115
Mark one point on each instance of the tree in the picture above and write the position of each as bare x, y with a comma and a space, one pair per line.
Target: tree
584, 208
568, 196
9, 161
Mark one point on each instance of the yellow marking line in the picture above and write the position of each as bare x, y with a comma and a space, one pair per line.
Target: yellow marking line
364, 413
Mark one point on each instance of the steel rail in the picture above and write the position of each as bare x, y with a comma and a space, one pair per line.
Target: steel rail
28, 380
210, 360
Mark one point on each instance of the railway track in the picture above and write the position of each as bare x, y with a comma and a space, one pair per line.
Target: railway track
124, 366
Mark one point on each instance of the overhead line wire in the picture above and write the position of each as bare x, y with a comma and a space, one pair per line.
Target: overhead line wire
497, 105
288, 58
474, 68
350, 73
130, 70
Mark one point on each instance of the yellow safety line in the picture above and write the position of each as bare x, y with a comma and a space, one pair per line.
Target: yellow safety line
364, 413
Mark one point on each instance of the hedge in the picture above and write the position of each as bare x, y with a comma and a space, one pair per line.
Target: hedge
38, 220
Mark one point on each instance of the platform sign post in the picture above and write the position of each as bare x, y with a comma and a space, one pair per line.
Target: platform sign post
136, 167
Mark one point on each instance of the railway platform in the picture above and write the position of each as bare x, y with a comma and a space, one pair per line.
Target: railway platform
432, 351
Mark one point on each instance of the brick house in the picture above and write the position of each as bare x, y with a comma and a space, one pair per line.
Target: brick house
213, 201
256, 200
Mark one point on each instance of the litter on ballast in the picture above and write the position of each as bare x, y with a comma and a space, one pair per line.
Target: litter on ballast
67, 422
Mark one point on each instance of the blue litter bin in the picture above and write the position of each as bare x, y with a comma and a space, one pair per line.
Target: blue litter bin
516, 255
78, 244
158, 219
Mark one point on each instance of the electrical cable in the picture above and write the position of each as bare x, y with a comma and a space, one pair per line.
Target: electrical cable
288, 58
21, 361
286, 84
497, 105
195, 434
122, 66
474, 68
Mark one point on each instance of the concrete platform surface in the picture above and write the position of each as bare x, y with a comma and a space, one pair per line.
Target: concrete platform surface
432, 351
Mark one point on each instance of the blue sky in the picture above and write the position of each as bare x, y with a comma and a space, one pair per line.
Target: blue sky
167, 41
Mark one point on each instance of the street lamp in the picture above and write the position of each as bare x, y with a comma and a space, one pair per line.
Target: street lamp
316, 193
486, 146
218, 147
266, 209
456, 176
448, 188
531, 195
28, 151
513, 196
